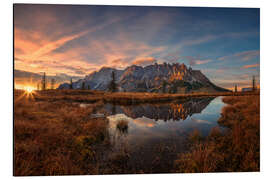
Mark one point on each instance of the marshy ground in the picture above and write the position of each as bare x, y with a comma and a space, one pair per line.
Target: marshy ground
54, 135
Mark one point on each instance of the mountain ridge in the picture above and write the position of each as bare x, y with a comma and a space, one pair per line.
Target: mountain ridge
167, 78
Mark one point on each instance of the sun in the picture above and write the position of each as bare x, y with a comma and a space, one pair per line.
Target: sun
29, 89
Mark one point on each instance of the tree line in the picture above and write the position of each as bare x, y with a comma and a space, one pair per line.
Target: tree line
42, 85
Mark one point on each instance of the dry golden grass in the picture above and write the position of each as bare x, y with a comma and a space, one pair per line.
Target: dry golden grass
124, 98
57, 138
237, 150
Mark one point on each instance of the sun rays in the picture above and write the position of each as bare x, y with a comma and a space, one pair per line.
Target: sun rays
29, 92
29, 89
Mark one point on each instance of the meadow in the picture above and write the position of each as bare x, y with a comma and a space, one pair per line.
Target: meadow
125, 98
53, 135
56, 138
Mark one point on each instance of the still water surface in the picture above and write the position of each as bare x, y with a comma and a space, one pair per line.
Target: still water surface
161, 130
157, 122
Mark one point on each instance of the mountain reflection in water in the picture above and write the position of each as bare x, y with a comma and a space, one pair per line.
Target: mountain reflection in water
170, 111
160, 130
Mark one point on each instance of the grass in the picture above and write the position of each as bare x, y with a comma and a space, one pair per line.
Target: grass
123, 98
57, 138
238, 150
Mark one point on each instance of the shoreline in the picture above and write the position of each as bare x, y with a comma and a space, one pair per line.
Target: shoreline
122, 98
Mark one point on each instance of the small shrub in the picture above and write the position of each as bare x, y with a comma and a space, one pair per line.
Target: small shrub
122, 126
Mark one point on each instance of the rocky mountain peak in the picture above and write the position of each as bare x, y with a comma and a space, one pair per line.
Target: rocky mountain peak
150, 78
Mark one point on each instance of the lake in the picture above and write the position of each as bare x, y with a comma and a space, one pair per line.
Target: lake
158, 132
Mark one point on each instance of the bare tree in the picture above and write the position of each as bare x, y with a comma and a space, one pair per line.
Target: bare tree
253, 83
113, 85
164, 86
83, 85
43, 82
70, 85
52, 83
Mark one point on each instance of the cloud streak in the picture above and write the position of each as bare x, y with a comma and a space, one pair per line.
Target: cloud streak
245, 55
196, 60
52, 46
251, 66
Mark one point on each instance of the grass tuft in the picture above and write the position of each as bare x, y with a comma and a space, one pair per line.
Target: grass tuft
122, 126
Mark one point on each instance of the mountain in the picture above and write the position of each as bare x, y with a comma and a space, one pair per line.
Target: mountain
170, 78
21, 77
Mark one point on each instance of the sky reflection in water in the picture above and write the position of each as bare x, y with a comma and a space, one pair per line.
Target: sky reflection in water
173, 122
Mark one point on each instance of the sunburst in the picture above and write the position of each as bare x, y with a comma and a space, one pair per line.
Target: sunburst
29, 92
29, 89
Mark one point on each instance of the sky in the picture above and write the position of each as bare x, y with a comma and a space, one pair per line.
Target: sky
224, 43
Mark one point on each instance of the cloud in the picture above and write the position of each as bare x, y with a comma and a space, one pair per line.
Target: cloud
38, 51
251, 66
221, 70
77, 41
191, 60
144, 122
203, 61
200, 121
192, 41
200, 40
54, 45
118, 63
77, 70
245, 55
144, 61
172, 56
196, 60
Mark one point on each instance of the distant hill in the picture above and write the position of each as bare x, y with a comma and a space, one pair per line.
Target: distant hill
169, 78
21, 77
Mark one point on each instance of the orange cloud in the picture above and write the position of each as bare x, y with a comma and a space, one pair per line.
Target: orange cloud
144, 122
117, 63
24, 45
144, 61
43, 48
250, 66
52, 46
203, 61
